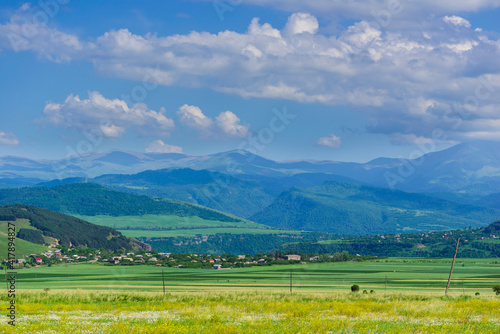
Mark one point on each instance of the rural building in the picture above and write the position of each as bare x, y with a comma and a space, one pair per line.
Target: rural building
20, 260
217, 266
38, 260
292, 257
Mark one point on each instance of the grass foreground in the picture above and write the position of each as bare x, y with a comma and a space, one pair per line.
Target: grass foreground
251, 312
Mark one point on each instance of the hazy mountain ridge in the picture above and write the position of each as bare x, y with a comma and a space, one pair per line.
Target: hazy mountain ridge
472, 168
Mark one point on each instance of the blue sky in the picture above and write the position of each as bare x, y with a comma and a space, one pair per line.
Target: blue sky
336, 80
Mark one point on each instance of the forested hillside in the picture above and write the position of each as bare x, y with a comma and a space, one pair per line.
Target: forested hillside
68, 230
92, 199
474, 243
210, 189
346, 208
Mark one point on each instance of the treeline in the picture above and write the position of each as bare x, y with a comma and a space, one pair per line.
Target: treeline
68, 230
90, 199
34, 236
475, 243
226, 243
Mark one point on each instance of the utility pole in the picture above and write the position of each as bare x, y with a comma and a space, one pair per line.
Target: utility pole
452, 264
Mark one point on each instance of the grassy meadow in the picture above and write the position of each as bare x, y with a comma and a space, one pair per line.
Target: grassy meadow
251, 312
89, 298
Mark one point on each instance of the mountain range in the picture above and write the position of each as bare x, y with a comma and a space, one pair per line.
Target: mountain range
467, 169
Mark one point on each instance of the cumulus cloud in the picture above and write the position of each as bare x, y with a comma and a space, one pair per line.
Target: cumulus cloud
8, 138
299, 23
227, 124
230, 125
111, 116
158, 146
457, 20
330, 141
402, 80
193, 117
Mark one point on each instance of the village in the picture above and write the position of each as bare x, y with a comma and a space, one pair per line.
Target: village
57, 255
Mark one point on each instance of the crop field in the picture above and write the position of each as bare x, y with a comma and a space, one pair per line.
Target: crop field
173, 226
403, 274
129, 299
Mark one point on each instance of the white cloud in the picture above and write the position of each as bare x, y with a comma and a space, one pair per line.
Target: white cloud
193, 117
457, 20
230, 125
8, 138
330, 141
111, 116
363, 9
382, 71
301, 23
226, 125
158, 146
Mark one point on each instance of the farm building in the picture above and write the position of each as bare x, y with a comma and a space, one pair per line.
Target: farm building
292, 257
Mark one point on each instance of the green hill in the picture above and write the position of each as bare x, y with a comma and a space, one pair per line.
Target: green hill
346, 208
36, 225
90, 199
210, 189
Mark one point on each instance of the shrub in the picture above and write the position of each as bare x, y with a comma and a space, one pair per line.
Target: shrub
355, 288
365, 292
372, 291
496, 288
477, 293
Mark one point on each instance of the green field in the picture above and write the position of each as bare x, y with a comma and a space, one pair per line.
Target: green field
173, 226
86, 298
417, 275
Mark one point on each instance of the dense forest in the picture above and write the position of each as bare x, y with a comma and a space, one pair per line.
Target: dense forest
226, 243
90, 199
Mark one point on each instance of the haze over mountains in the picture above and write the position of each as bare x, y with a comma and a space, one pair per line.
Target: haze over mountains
466, 169
455, 188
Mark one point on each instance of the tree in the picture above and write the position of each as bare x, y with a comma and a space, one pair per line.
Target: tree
496, 288
355, 288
